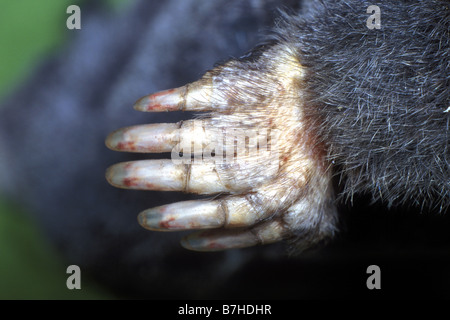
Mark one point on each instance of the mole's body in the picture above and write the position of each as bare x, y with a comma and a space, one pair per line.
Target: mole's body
348, 111
366, 105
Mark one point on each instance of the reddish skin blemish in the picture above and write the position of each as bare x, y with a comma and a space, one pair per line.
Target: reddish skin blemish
130, 182
136, 184
318, 150
162, 93
154, 105
161, 107
170, 224
166, 224
128, 145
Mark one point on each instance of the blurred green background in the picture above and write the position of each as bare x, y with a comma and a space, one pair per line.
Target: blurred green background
31, 30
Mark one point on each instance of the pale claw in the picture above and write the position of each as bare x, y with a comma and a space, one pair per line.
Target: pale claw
230, 212
183, 216
195, 96
159, 137
217, 240
164, 175
162, 137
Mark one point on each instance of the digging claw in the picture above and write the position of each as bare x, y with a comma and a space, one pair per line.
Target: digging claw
144, 138
191, 97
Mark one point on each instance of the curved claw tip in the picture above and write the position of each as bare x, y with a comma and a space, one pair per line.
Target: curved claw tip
142, 104
142, 220
113, 140
152, 219
109, 175
167, 100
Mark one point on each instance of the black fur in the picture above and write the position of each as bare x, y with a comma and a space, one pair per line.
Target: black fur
377, 97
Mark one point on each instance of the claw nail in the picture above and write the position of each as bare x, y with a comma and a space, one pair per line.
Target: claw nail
144, 138
168, 100
195, 96
146, 175
182, 216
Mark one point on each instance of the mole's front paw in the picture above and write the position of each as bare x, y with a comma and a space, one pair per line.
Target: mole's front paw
254, 147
